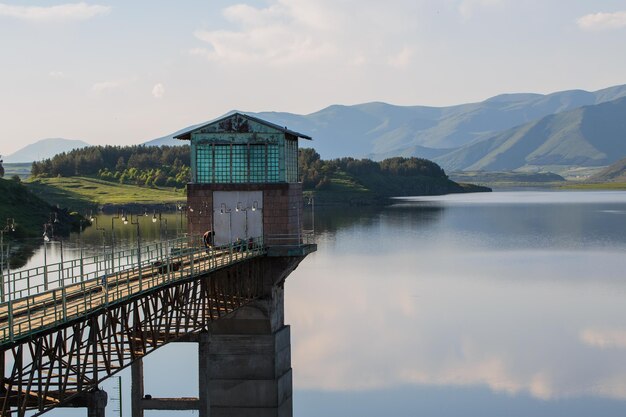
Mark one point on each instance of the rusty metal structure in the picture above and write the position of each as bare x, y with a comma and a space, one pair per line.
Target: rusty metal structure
66, 327
62, 342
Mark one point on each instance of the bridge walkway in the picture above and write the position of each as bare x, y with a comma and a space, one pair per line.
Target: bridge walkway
64, 332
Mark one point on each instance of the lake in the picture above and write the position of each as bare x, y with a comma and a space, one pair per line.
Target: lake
499, 304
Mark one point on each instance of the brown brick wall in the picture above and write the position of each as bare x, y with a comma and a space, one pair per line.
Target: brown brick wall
282, 206
199, 211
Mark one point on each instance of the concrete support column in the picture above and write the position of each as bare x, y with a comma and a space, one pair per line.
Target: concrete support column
250, 361
136, 390
204, 375
97, 403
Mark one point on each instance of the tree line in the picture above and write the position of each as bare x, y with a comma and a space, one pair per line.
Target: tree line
170, 166
315, 172
138, 164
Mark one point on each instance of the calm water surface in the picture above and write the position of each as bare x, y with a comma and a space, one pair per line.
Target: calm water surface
501, 304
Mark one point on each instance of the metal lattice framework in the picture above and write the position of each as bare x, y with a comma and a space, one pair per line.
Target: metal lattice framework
55, 363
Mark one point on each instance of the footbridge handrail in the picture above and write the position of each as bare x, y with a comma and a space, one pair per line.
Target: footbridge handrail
37, 299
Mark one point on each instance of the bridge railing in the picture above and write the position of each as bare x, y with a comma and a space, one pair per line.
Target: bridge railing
290, 239
42, 297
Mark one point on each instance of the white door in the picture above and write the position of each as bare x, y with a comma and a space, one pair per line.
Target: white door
237, 215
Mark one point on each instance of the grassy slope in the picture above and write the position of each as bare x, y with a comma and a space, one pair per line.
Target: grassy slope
29, 211
615, 172
596, 186
81, 193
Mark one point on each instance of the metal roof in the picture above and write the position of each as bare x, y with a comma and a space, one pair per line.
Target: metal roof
187, 134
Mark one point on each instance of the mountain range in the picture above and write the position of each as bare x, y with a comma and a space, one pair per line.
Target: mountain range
470, 136
587, 136
505, 132
44, 148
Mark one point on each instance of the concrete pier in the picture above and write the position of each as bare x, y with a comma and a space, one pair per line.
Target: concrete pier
95, 401
244, 358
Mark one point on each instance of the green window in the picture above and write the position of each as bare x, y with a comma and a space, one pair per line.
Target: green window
240, 163
273, 164
246, 163
257, 163
222, 163
204, 163
291, 160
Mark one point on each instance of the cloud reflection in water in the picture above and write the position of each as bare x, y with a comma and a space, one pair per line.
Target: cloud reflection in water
549, 322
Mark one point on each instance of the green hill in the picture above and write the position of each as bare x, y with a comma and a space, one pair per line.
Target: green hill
30, 213
84, 193
616, 172
588, 136
376, 188
363, 181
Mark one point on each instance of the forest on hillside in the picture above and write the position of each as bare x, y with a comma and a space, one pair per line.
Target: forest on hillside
138, 165
169, 166
315, 173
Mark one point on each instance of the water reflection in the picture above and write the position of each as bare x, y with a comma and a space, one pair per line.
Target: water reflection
501, 304
510, 300
109, 230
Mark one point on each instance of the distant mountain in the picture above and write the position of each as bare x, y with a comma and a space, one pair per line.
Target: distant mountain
379, 130
587, 136
45, 148
616, 172
169, 140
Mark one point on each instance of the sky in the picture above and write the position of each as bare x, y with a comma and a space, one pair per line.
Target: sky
124, 72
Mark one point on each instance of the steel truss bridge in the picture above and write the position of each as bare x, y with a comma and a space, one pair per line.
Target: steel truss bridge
66, 327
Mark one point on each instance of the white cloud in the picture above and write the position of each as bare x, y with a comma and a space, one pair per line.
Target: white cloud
158, 90
104, 86
56, 74
604, 338
299, 31
467, 7
402, 59
602, 21
70, 11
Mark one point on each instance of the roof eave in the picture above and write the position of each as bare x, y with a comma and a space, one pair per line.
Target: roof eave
187, 135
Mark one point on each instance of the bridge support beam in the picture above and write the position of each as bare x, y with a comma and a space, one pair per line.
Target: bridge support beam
244, 358
95, 401
136, 388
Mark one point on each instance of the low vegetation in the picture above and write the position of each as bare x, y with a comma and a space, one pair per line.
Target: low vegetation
595, 186
509, 179
29, 213
83, 193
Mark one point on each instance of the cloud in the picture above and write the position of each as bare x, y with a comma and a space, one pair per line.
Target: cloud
104, 86
56, 74
604, 338
158, 90
62, 12
602, 21
291, 32
402, 59
467, 7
